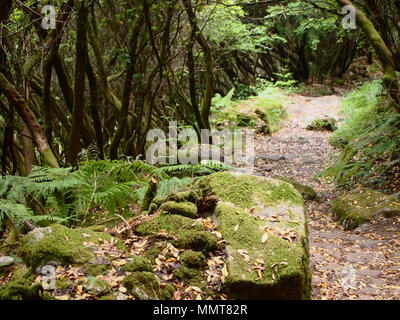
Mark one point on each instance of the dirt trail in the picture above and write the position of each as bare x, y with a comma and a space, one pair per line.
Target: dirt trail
359, 264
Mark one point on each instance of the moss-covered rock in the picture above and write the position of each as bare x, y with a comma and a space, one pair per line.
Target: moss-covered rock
184, 196
96, 286
190, 234
60, 244
263, 222
307, 192
155, 250
362, 205
96, 269
137, 263
185, 209
145, 286
193, 259
326, 124
62, 284
249, 191
21, 286
193, 277
246, 247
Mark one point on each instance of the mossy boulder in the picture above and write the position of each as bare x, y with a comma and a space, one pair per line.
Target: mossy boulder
137, 263
325, 124
193, 259
145, 286
62, 284
264, 224
21, 286
155, 250
361, 205
185, 209
307, 192
246, 191
184, 196
60, 244
192, 277
96, 269
187, 233
96, 286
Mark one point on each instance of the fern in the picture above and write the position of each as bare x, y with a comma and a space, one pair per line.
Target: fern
98, 185
19, 213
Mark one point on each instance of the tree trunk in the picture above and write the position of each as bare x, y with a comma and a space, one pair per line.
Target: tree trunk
74, 145
20, 105
383, 52
209, 86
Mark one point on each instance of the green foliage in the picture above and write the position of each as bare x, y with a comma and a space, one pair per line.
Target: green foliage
69, 195
17, 214
224, 27
368, 139
264, 112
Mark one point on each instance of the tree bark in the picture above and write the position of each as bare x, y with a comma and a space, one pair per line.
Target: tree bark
383, 52
20, 105
74, 145
209, 81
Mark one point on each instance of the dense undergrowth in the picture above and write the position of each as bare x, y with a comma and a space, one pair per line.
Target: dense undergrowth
369, 139
94, 193
263, 110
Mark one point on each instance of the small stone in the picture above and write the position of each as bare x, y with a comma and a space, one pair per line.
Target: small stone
6, 261
291, 156
309, 160
272, 157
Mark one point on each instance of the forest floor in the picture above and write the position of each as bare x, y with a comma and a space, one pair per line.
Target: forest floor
345, 265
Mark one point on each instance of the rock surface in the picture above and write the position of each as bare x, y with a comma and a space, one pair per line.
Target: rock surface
361, 205
307, 192
61, 245
264, 224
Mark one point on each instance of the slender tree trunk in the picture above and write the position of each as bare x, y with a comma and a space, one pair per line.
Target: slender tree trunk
94, 108
209, 86
20, 105
123, 121
28, 152
74, 145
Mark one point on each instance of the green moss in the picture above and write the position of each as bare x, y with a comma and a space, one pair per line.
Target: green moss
145, 286
193, 259
191, 277
61, 244
198, 241
108, 297
246, 191
96, 269
62, 284
137, 263
186, 209
96, 286
21, 286
184, 196
293, 279
327, 124
359, 206
190, 234
170, 223
155, 250
307, 192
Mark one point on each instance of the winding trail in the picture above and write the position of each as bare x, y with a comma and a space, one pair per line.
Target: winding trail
346, 265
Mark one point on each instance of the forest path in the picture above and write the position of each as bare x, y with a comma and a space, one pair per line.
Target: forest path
360, 264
